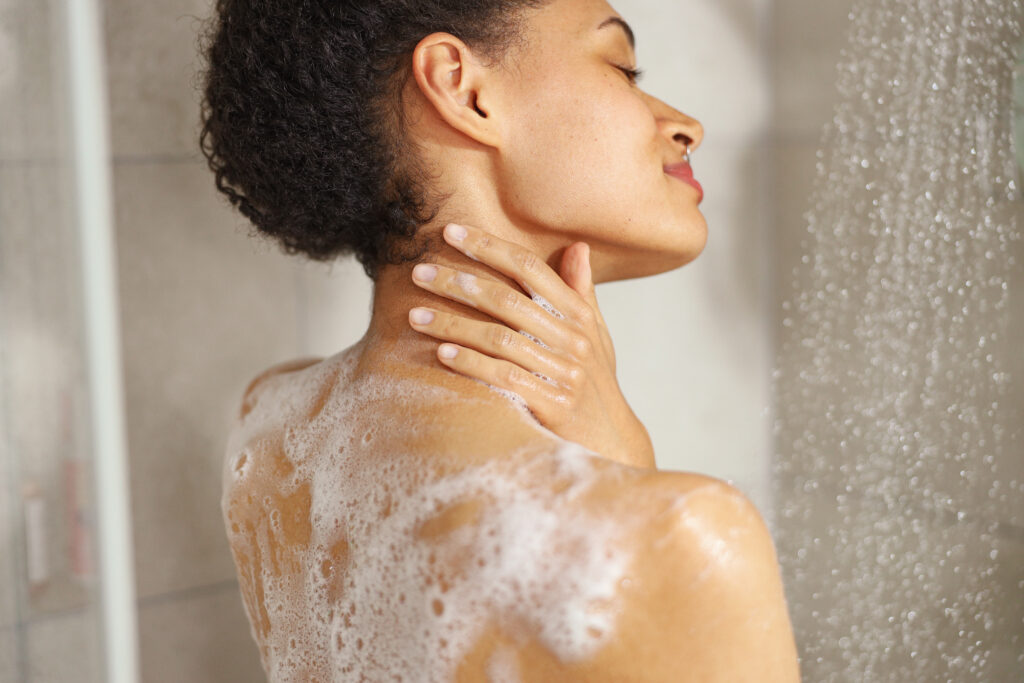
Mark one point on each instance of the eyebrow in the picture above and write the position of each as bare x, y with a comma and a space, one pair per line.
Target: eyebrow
616, 21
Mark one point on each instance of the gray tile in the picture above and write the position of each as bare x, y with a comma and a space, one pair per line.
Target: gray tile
335, 303
31, 77
8, 655
153, 56
205, 308
65, 648
201, 639
807, 37
708, 59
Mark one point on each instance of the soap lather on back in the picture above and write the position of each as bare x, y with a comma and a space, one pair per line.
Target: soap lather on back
376, 540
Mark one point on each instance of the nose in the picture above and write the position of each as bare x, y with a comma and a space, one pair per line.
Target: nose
677, 127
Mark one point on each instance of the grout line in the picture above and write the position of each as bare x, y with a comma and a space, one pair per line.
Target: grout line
118, 160
181, 594
157, 159
191, 593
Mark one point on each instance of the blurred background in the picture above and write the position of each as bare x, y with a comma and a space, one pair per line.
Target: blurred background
845, 351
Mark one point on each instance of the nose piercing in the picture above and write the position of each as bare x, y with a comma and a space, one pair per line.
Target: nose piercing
686, 156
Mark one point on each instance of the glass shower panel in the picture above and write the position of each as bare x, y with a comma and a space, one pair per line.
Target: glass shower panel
899, 469
49, 610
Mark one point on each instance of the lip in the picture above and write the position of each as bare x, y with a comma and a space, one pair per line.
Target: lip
684, 172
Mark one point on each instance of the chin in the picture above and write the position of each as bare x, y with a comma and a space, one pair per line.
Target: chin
629, 262
688, 249
644, 264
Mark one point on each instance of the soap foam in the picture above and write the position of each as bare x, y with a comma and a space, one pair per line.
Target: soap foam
531, 556
415, 624
468, 283
503, 667
546, 305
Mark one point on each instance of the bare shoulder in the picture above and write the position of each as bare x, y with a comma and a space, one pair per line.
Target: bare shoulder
252, 389
706, 600
696, 504
672, 503
700, 597
280, 369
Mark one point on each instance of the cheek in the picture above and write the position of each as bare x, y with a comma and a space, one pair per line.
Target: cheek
581, 159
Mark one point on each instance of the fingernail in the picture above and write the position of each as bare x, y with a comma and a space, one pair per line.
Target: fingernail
456, 232
424, 272
421, 316
448, 351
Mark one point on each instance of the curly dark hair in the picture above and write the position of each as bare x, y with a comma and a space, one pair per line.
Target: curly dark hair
303, 123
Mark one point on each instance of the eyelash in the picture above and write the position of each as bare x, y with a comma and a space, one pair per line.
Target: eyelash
634, 74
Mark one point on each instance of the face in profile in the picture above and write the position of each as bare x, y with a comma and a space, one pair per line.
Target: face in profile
585, 149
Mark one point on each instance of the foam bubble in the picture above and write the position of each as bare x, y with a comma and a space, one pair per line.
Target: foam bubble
240, 465
468, 283
535, 340
546, 305
503, 667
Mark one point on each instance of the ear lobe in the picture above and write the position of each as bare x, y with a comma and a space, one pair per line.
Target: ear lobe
452, 82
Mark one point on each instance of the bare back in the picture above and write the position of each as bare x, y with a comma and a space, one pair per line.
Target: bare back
391, 529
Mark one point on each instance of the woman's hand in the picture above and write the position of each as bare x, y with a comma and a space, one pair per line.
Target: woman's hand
562, 367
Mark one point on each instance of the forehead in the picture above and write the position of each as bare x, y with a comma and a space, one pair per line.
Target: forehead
575, 20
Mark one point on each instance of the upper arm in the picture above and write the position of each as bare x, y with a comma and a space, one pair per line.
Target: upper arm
729, 599
708, 602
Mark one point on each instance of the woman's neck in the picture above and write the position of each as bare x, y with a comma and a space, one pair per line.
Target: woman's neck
395, 294
391, 341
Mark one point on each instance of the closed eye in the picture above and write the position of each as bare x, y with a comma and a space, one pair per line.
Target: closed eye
634, 74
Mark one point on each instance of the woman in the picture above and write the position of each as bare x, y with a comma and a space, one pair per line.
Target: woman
398, 515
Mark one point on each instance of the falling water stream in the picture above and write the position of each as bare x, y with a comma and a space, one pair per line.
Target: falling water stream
899, 467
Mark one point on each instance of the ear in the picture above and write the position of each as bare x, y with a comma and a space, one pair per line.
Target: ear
456, 85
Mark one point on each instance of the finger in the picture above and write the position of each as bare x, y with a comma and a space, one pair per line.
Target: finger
577, 273
522, 265
499, 301
587, 278
494, 340
576, 270
543, 398
591, 298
